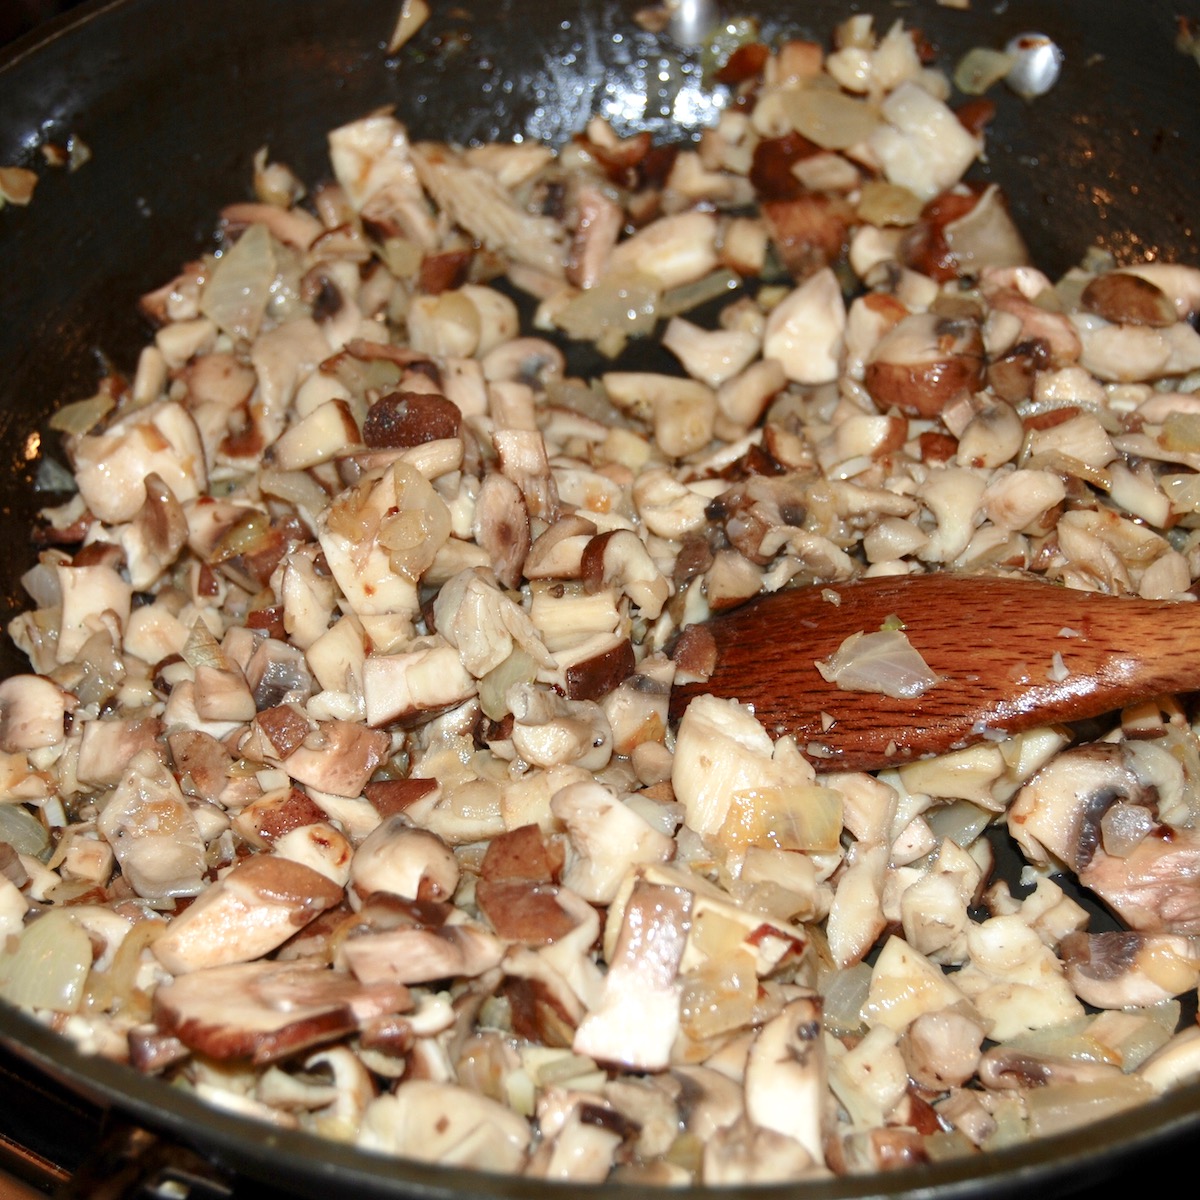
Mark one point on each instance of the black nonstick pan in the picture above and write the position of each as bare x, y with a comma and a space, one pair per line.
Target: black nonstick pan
173, 99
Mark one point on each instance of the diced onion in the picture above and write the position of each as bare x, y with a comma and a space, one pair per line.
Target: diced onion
237, 292
885, 662
50, 966
980, 68
806, 817
1058, 1107
23, 831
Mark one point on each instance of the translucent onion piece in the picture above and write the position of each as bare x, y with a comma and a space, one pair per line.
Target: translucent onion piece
23, 831
884, 662
618, 307
687, 296
719, 997
50, 966
980, 68
236, 294
1058, 1107
962, 822
830, 118
1181, 432
845, 993
518, 667
84, 415
805, 817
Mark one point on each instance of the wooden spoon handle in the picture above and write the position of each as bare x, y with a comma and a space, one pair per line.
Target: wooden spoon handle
992, 639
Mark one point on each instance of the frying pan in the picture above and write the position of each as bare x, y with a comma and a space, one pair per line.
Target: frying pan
174, 99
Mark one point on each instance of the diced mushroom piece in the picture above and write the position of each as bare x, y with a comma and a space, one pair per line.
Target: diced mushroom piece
321, 846
579, 1144
870, 1079
855, 915
1135, 353
711, 356
596, 232
638, 1019
1014, 979
1125, 969
549, 730
1059, 811
152, 831
905, 985
924, 363
942, 1049
484, 626
993, 436
923, 146
88, 592
274, 815
277, 673
785, 1075
350, 532
522, 456
1022, 499
111, 468
619, 557
403, 861
320, 436
265, 1011
416, 685
33, 710
446, 1124
338, 757
1177, 280
608, 837
372, 161
221, 694
1156, 887
524, 912
557, 553
501, 527
674, 250
805, 331
247, 913
419, 942
746, 1154
722, 750
153, 539
1177, 1062
681, 411
1126, 298
108, 747
952, 496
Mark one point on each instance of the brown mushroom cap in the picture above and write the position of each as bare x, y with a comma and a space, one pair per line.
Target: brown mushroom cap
265, 1011
925, 362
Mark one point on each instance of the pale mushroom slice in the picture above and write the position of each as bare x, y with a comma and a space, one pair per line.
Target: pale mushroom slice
442, 1122
265, 1011
152, 831
638, 1018
785, 1076
33, 710
1127, 969
417, 942
247, 913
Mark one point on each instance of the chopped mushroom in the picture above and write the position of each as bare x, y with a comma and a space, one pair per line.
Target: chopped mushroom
348, 723
250, 911
264, 1011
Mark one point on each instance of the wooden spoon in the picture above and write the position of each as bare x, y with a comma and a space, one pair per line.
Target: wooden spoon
992, 639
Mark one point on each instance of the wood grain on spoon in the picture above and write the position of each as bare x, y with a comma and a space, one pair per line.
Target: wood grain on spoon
991, 639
